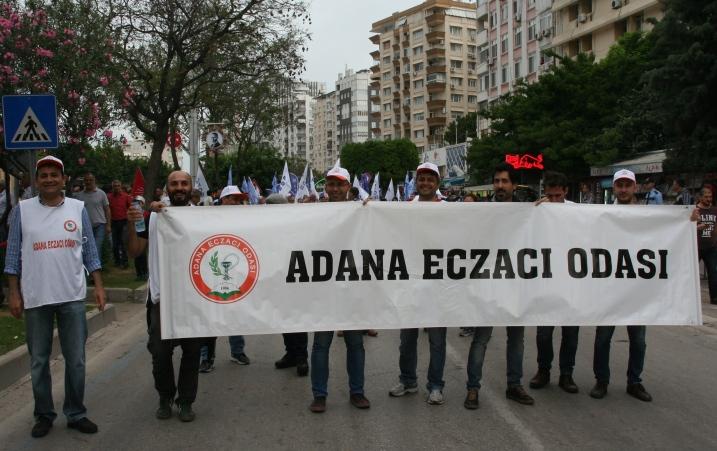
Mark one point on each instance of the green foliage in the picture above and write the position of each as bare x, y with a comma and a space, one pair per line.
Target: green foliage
390, 158
259, 163
466, 129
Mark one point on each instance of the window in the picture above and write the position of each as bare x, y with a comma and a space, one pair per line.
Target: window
504, 43
504, 74
418, 100
386, 123
532, 30
457, 98
531, 4
472, 82
471, 49
456, 48
504, 13
386, 60
472, 34
493, 19
471, 65
484, 82
456, 64
531, 63
387, 91
518, 37
516, 69
386, 107
417, 50
493, 48
456, 81
456, 32
472, 99
419, 117
418, 84
456, 115
386, 76
386, 44
406, 68
492, 79
417, 34
418, 67
418, 134
387, 137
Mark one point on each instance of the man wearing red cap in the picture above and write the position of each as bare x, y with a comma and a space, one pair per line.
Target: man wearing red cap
337, 187
427, 180
50, 244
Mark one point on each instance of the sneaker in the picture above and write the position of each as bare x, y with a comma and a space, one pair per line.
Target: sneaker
599, 390
435, 397
206, 366
83, 425
318, 405
285, 362
465, 332
639, 392
186, 414
302, 368
42, 427
518, 394
359, 401
240, 359
164, 411
567, 383
541, 378
372, 333
471, 402
400, 390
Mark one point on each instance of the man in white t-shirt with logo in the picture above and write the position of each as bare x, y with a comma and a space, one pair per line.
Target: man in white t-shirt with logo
49, 246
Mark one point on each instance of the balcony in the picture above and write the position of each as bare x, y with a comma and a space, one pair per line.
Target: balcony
436, 50
376, 55
396, 46
437, 68
376, 39
438, 104
436, 86
435, 35
405, 43
375, 85
437, 120
376, 114
406, 76
482, 37
375, 68
396, 95
437, 18
397, 78
406, 108
482, 12
376, 98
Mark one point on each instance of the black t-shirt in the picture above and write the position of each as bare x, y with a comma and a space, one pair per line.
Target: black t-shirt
707, 238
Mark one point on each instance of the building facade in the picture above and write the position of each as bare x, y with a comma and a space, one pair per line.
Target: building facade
352, 107
426, 71
325, 149
294, 135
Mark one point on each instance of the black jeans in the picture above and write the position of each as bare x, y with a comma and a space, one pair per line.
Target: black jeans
709, 256
118, 250
140, 265
568, 348
162, 367
296, 345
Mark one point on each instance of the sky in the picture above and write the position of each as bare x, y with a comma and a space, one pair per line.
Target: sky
339, 35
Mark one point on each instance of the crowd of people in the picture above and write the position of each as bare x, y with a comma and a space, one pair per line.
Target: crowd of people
54, 218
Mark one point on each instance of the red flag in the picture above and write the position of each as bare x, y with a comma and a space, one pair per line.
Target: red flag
138, 184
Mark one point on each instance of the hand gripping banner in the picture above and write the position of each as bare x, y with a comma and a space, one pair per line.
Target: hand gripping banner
233, 270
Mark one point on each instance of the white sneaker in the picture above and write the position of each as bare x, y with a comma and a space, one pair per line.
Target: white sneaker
400, 390
435, 397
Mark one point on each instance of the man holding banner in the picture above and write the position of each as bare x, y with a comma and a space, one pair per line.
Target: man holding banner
427, 180
337, 187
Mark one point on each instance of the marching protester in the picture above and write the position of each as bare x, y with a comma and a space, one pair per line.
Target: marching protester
179, 186
427, 180
98, 208
295, 343
684, 197
503, 185
707, 239
50, 241
556, 188
337, 187
231, 195
119, 202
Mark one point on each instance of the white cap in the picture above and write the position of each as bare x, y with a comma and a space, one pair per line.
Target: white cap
140, 198
339, 173
428, 167
624, 174
231, 190
50, 161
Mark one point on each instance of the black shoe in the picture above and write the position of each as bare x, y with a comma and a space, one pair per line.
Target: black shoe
359, 401
42, 427
285, 362
599, 390
241, 359
471, 401
567, 383
164, 411
206, 366
639, 392
302, 368
541, 378
518, 394
318, 405
186, 414
83, 425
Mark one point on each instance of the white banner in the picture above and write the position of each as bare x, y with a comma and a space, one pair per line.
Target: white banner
286, 268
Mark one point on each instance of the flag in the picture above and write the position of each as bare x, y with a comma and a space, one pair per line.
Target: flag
366, 181
294, 183
285, 184
362, 192
138, 184
274, 184
312, 185
200, 183
229, 176
389, 192
376, 189
302, 189
337, 165
244, 186
252, 191
407, 188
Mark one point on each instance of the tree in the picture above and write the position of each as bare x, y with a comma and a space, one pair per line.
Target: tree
177, 51
390, 158
258, 162
466, 129
682, 83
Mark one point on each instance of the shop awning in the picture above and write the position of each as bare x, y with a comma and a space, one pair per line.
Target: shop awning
645, 163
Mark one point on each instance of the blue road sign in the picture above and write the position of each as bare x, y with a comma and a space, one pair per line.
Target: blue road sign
30, 121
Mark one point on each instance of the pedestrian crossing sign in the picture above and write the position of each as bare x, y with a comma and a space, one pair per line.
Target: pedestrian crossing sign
30, 121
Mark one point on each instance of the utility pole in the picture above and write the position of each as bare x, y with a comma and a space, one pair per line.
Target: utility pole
194, 145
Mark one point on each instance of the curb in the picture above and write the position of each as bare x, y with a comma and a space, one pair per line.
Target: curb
118, 295
16, 363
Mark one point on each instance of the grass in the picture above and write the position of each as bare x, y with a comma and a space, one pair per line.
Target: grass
116, 277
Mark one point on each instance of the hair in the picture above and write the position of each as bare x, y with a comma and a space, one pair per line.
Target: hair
354, 191
505, 167
552, 179
473, 195
87, 174
681, 182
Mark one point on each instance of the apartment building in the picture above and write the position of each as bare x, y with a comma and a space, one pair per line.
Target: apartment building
325, 148
352, 107
425, 72
294, 135
592, 26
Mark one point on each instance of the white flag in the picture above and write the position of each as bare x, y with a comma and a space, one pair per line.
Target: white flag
376, 189
200, 182
362, 192
337, 165
285, 184
312, 184
302, 190
389, 192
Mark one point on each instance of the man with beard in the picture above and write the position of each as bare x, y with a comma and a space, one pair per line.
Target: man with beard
503, 186
337, 187
707, 239
427, 180
179, 187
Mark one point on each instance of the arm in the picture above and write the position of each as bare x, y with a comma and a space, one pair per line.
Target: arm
12, 264
135, 244
91, 260
108, 215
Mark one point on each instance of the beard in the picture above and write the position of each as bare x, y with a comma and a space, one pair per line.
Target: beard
178, 198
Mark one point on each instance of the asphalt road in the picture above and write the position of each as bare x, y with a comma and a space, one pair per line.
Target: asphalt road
259, 407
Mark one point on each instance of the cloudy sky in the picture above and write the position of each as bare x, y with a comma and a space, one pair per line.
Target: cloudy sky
340, 30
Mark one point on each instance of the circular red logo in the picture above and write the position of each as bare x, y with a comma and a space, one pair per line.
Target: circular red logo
70, 225
224, 268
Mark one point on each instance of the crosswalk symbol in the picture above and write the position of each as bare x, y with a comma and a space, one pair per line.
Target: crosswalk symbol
30, 129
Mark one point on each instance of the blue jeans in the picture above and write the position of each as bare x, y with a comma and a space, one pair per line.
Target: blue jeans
236, 345
207, 351
72, 331
568, 348
355, 359
98, 231
408, 358
601, 355
476, 356
513, 355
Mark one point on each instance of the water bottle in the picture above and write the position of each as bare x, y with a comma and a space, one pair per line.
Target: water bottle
138, 225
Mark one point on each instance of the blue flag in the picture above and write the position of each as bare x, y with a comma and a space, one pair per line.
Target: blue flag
244, 186
251, 190
294, 183
274, 185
